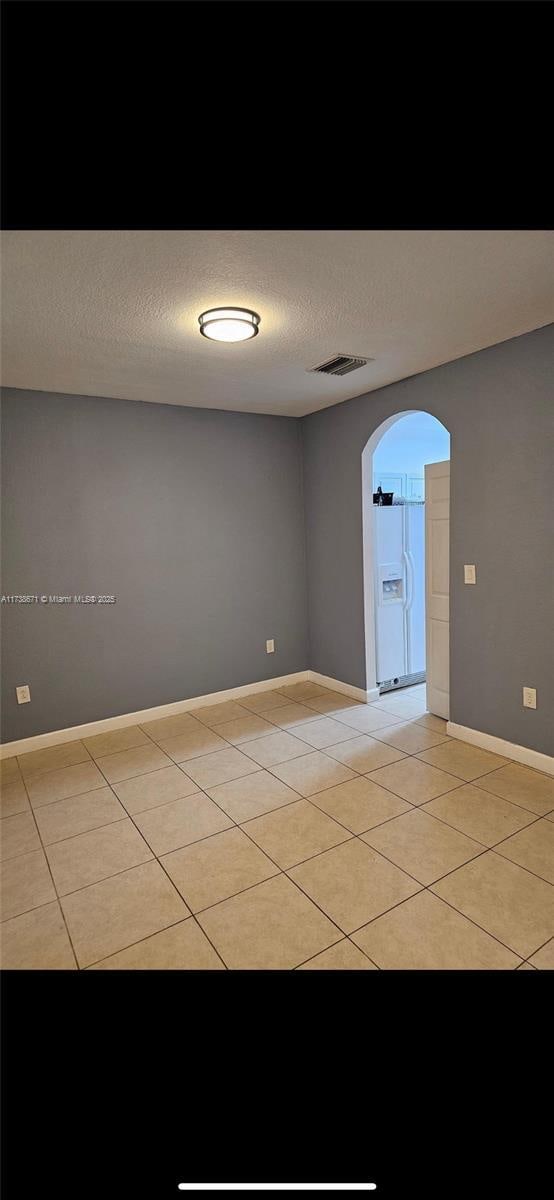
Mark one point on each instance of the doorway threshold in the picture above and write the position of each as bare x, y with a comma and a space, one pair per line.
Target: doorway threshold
403, 681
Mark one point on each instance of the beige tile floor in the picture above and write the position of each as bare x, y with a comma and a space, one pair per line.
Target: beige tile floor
293, 829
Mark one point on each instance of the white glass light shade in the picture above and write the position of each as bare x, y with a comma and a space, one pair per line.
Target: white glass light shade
229, 324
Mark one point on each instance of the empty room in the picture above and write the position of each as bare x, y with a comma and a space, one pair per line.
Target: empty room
277, 600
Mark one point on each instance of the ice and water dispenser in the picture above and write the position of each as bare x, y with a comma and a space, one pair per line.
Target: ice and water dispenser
391, 583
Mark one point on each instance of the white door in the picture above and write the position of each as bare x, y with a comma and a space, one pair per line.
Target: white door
437, 544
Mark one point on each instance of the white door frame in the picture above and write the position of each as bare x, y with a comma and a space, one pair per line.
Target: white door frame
437, 587
367, 543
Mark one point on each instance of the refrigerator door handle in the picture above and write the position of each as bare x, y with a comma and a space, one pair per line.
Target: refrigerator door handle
409, 579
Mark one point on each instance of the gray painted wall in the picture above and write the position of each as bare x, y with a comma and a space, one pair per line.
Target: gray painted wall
193, 518
498, 406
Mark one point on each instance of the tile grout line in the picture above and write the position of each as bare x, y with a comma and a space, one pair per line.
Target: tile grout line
462, 783
425, 888
284, 873
474, 922
493, 850
546, 943
68, 837
72, 797
48, 770
70, 939
344, 939
428, 887
176, 890
139, 942
493, 845
471, 837
278, 871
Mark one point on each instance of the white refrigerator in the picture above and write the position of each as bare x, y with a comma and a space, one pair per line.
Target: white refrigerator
399, 574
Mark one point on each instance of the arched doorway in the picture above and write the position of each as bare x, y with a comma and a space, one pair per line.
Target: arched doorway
395, 456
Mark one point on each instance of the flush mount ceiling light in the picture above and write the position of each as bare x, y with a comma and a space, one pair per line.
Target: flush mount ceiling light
229, 324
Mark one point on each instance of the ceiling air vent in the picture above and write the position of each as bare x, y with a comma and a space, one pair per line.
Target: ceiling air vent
341, 364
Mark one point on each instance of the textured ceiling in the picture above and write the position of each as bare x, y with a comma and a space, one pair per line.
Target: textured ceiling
114, 313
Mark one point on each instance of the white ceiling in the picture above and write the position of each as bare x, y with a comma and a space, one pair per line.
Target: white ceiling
114, 313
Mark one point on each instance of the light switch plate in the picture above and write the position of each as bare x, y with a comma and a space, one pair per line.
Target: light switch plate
529, 697
469, 574
270, 646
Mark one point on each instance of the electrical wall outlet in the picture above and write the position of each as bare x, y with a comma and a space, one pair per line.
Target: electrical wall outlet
23, 694
529, 697
270, 646
469, 574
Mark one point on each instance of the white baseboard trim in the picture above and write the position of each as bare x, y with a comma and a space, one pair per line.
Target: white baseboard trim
486, 741
42, 741
347, 689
